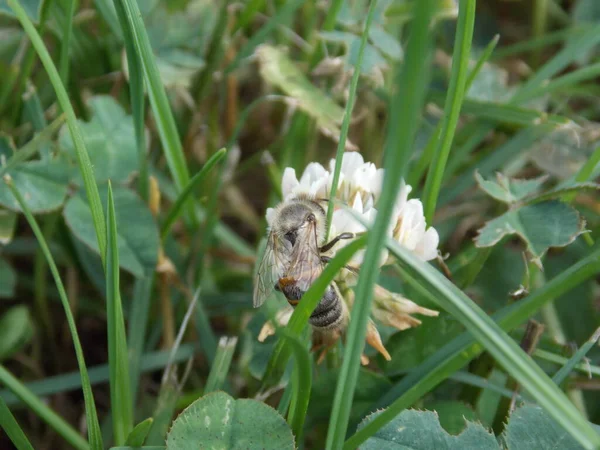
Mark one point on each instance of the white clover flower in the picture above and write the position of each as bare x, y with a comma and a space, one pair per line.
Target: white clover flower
359, 188
313, 181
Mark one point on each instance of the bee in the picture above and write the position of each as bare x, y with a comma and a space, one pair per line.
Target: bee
295, 256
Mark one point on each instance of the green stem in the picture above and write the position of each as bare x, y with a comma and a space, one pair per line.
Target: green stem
348, 116
63, 428
456, 91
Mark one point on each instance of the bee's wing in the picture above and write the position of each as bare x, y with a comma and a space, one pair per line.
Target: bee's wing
269, 270
305, 261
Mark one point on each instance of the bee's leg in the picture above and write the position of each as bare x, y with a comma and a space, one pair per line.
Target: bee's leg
326, 259
335, 240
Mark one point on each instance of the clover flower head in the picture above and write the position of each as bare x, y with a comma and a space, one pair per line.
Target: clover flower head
359, 189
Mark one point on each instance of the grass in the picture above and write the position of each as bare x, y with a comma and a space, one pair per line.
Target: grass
403, 118
429, 106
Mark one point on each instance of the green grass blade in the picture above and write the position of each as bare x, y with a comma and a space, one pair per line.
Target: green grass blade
120, 387
507, 352
483, 58
138, 323
176, 208
109, 16
406, 108
165, 122
302, 312
215, 53
560, 61
565, 81
457, 353
85, 165
70, 381
221, 364
565, 370
328, 24
585, 173
63, 428
286, 398
541, 42
66, 42
12, 429
348, 115
139, 433
302, 383
456, 92
136, 88
94, 435
586, 369
416, 174
34, 145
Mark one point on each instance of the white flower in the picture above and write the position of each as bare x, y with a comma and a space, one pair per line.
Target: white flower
410, 230
312, 182
359, 187
357, 178
344, 221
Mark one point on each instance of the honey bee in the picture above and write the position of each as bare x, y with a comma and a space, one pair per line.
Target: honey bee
295, 256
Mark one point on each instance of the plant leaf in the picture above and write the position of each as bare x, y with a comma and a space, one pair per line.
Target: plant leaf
8, 279
218, 421
16, 329
110, 139
12, 429
411, 347
370, 385
565, 150
509, 190
120, 383
530, 427
421, 430
32, 7
137, 436
138, 241
278, 70
540, 226
43, 184
453, 415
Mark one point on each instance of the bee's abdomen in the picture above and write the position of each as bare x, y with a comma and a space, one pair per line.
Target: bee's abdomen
328, 312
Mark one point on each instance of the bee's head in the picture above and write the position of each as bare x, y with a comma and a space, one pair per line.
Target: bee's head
295, 215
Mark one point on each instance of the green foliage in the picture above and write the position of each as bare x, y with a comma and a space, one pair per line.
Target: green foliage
217, 419
137, 242
120, 393
421, 430
369, 385
278, 70
528, 427
32, 7
16, 330
392, 78
110, 140
453, 415
44, 185
508, 190
12, 429
540, 225
412, 347
8, 279
138, 435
